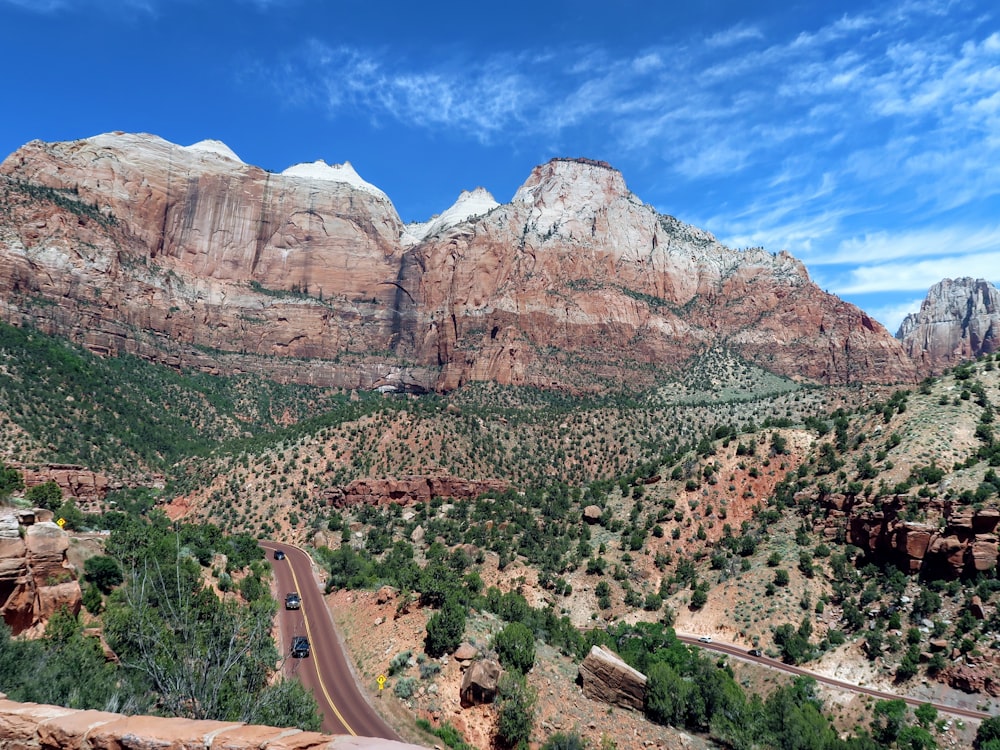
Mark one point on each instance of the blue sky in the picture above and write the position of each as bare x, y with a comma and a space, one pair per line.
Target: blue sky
864, 138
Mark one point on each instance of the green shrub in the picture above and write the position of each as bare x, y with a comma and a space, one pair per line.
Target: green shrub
405, 687
515, 647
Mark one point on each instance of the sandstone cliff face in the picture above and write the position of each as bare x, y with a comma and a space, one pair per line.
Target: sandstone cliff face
189, 256
958, 320
36, 580
577, 264
955, 540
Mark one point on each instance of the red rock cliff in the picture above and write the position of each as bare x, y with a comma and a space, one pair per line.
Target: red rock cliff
189, 256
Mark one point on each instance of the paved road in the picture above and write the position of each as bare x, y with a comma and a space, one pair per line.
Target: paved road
325, 672
740, 652
345, 709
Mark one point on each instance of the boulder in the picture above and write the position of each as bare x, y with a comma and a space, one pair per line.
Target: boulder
466, 652
976, 608
479, 685
606, 678
983, 552
592, 514
36, 579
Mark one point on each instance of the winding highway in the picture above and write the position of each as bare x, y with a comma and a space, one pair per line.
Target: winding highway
741, 653
346, 710
325, 672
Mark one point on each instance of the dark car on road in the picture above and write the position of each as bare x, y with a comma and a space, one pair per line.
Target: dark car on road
279, 555
755, 652
293, 601
300, 647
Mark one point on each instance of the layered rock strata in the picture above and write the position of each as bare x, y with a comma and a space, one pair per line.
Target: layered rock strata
191, 257
964, 543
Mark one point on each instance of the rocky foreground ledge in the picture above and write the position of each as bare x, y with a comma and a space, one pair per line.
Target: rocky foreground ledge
31, 726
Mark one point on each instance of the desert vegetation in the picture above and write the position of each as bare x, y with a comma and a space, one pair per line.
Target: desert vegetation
725, 499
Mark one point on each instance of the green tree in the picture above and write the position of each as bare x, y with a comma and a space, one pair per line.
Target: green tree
988, 734
10, 481
565, 741
287, 703
445, 629
46, 495
516, 715
515, 647
888, 721
667, 695
202, 657
915, 738
104, 572
93, 600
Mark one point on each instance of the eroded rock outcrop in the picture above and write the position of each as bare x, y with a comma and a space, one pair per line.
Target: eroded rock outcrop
191, 257
606, 678
87, 487
958, 320
962, 543
30, 726
36, 579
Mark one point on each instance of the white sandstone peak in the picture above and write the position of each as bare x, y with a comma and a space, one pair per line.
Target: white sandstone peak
343, 173
470, 203
210, 146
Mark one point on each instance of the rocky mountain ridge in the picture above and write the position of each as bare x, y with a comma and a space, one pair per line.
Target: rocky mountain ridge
189, 256
958, 320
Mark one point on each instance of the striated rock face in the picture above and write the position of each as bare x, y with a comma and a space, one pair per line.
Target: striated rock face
958, 320
191, 257
608, 679
31, 726
36, 580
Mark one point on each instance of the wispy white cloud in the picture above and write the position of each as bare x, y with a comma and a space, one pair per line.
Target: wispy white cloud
951, 240
856, 127
910, 276
54, 6
734, 35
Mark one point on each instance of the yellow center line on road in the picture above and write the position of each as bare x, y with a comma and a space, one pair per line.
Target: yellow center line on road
319, 674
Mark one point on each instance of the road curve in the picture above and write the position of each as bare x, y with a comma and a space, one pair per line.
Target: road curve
740, 652
325, 672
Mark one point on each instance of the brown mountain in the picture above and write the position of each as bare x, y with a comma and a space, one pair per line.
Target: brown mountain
958, 320
189, 256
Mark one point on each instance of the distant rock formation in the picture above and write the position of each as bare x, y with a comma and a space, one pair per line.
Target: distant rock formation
31, 726
36, 579
606, 678
958, 320
188, 256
